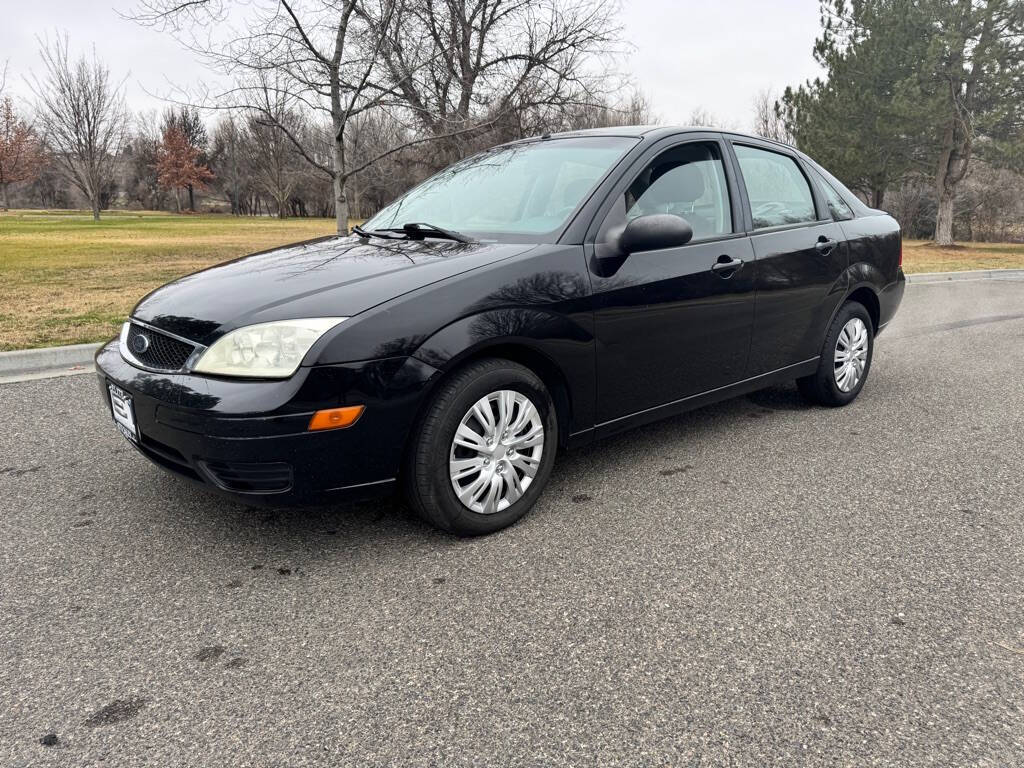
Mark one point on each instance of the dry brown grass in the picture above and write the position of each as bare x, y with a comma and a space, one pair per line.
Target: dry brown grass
923, 256
65, 279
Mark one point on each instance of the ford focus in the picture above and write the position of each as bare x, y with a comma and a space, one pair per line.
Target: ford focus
535, 297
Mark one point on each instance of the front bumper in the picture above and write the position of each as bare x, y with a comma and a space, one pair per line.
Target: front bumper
249, 439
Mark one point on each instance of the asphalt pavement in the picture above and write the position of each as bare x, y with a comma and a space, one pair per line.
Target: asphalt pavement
758, 583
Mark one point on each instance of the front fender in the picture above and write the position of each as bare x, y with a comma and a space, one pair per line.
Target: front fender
553, 342
539, 302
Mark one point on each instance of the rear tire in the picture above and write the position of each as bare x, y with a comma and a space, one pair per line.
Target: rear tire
495, 400
845, 359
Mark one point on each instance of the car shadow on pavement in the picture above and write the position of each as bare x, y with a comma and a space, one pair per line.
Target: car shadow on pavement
384, 523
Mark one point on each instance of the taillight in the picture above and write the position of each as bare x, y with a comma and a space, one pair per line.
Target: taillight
900, 264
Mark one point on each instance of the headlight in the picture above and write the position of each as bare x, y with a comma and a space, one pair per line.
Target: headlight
265, 351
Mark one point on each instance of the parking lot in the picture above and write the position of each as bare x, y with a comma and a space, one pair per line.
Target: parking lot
758, 583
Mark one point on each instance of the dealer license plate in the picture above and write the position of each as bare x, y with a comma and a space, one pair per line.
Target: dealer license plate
124, 413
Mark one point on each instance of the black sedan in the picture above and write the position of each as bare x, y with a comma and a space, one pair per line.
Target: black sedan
539, 295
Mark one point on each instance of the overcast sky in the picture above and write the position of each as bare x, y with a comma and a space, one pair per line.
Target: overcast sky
715, 54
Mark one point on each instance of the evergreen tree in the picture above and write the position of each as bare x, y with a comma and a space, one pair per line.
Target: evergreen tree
862, 121
973, 77
913, 86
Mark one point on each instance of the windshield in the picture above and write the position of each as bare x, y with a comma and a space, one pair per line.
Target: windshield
523, 190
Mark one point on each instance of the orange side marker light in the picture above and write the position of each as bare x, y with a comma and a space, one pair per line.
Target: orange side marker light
336, 418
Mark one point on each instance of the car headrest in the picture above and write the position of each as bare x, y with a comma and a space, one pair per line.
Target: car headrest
672, 183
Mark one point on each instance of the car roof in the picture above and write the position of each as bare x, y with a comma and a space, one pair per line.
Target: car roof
650, 132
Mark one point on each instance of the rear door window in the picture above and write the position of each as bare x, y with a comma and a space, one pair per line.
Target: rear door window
779, 192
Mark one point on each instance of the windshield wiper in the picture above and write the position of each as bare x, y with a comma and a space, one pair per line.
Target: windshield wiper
366, 234
417, 230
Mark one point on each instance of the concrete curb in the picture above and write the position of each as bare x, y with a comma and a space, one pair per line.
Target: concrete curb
974, 274
26, 364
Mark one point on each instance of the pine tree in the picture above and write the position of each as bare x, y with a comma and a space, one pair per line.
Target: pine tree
913, 86
862, 121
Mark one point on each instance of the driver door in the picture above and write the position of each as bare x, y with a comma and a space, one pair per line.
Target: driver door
669, 324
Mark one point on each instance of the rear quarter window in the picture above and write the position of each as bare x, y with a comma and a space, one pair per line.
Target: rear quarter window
839, 208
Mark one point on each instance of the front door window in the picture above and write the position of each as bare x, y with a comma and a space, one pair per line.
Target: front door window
687, 181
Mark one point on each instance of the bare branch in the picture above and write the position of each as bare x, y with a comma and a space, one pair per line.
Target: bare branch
82, 115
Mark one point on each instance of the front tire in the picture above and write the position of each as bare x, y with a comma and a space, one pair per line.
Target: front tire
845, 359
483, 451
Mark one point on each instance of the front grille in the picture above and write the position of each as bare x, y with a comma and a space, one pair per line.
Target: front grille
157, 350
269, 477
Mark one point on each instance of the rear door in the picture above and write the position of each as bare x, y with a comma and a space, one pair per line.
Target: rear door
801, 253
670, 323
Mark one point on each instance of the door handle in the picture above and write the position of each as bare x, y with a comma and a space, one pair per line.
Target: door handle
824, 246
726, 266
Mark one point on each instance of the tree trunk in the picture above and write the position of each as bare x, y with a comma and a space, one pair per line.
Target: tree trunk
944, 216
356, 207
191, 199
340, 201
340, 205
7, 203
95, 207
338, 149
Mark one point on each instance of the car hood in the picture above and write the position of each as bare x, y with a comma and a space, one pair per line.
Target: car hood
333, 276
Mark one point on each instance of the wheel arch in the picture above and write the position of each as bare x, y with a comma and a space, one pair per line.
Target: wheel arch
866, 296
513, 350
528, 356
531, 338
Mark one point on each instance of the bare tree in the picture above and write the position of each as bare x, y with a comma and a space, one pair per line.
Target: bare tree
273, 153
768, 118
440, 68
229, 164
83, 118
476, 61
386, 178
321, 56
141, 181
633, 110
700, 117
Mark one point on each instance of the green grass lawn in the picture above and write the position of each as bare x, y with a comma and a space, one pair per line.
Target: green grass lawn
65, 279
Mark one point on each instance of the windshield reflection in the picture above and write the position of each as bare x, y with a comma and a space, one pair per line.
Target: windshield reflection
526, 189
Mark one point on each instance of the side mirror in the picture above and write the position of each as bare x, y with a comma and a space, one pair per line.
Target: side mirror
655, 231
